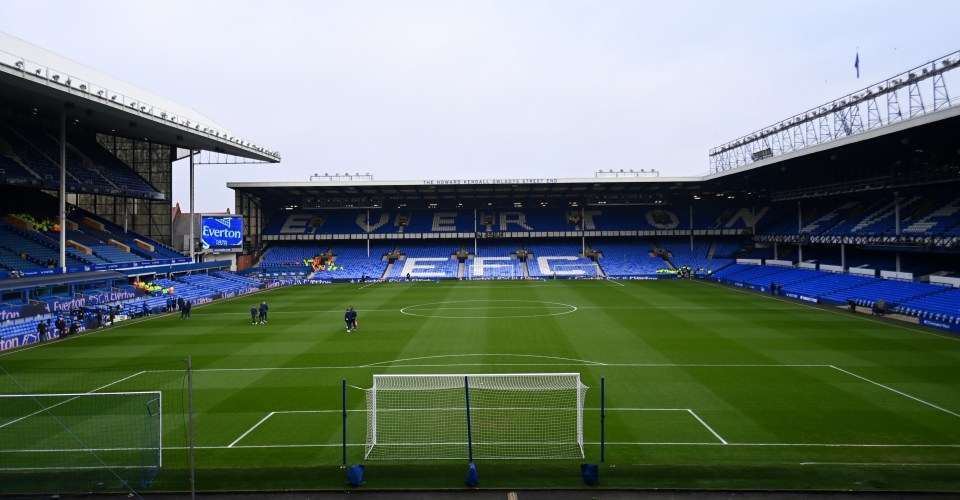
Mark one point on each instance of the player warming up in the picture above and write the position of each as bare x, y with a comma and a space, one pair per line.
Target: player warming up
263, 312
253, 314
351, 319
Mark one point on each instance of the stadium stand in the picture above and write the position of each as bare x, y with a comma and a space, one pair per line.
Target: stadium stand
495, 259
427, 260
351, 262
549, 258
627, 257
33, 158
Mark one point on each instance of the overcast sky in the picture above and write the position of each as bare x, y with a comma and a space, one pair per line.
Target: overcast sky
485, 89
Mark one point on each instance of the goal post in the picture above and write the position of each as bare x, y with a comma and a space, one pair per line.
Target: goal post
112, 431
511, 416
103, 429
492, 268
591, 270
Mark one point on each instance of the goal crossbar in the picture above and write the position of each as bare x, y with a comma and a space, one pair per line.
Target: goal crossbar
511, 416
59, 431
591, 270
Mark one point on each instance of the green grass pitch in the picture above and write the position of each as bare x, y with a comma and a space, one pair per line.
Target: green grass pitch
706, 386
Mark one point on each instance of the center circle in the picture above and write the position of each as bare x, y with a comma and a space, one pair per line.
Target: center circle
488, 309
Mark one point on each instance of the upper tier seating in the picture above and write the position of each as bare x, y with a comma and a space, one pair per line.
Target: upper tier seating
31, 155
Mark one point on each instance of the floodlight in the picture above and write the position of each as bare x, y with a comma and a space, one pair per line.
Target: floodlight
19, 64
56, 78
83, 87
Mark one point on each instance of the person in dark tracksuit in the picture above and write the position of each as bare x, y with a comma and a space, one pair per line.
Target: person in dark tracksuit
351, 318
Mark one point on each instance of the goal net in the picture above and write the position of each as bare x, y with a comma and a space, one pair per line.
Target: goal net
492, 268
116, 431
104, 429
513, 416
591, 270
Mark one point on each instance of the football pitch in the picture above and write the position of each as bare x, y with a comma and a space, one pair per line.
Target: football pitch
706, 386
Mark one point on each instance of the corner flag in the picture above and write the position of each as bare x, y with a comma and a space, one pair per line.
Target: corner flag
856, 64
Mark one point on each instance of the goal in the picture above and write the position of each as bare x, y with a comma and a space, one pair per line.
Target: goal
503, 416
583, 271
118, 432
492, 268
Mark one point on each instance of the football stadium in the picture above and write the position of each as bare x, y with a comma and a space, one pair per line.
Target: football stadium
785, 323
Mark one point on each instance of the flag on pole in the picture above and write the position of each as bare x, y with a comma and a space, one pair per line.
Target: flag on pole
856, 64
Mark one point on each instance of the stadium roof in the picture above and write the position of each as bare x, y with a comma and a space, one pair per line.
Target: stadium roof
35, 80
470, 193
913, 152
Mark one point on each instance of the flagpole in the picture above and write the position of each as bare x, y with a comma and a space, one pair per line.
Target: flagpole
856, 63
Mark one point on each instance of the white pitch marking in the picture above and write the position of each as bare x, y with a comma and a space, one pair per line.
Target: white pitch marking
614, 443
880, 464
412, 311
567, 362
724, 441
787, 445
891, 389
48, 408
262, 420
483, 354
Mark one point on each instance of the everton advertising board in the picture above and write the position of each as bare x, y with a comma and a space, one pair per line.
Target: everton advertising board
221, 233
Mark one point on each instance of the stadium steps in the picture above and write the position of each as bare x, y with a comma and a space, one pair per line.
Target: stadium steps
386, 272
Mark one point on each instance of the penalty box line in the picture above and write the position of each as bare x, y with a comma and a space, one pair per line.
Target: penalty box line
271, 414
895, 391
286, 412
688, 410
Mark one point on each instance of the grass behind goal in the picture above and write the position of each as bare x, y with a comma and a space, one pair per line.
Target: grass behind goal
707, 386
